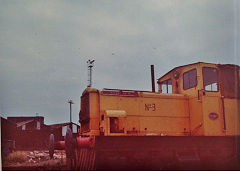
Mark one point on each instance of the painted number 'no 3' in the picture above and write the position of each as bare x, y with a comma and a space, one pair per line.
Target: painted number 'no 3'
151, 107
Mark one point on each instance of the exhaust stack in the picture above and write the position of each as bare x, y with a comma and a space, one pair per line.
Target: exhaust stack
153, 79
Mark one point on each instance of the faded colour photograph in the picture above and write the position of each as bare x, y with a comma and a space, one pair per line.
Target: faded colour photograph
120, 85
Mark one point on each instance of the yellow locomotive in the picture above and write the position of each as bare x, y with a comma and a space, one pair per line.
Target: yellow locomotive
192, 121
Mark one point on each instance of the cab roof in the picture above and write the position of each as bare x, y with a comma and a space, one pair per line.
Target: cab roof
195, 64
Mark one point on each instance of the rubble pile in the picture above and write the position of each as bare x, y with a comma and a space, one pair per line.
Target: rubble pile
39, 156
36, 160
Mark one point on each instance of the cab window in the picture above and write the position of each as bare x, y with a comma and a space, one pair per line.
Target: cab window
166, 86
210, 79
190, 79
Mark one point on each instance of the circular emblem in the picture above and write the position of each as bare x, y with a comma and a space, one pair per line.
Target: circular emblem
213, 116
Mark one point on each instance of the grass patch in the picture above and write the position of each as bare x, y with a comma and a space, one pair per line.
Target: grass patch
16, 157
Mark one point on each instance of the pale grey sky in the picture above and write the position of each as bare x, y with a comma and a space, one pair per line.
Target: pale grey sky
44, 46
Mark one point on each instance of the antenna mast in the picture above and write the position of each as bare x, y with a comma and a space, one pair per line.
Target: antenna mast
70, 103
90, 65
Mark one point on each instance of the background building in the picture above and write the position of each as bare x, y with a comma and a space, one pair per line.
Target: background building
30, 133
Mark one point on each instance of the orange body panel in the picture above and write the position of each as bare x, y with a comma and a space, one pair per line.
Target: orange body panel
194, 111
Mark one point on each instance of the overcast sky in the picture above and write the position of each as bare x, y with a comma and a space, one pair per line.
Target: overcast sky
44, 46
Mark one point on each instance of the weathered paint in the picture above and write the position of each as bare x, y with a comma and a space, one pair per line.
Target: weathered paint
182, 113
158, 128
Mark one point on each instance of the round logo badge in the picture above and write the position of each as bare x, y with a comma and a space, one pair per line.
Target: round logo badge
213, 116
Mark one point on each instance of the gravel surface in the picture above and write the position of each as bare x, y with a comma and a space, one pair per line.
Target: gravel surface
37, 159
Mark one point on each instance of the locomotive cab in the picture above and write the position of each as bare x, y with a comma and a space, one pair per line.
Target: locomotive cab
213, 91
190, 79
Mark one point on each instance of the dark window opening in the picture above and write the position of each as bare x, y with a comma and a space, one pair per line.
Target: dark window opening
229, 80
166, 86
190, 79
114, 125
210, 79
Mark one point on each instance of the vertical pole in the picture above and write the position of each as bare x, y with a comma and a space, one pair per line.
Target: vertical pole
70, 103
90, 65
153, 79
90, 68
70, 112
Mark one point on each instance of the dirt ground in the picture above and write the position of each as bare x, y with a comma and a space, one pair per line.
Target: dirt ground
35, 160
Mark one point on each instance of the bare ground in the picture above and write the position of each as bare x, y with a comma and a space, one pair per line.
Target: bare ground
35, 160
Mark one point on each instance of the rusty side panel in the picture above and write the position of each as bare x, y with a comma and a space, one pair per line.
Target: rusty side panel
84, 114
229, 81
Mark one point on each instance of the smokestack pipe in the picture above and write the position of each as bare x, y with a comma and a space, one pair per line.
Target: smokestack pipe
153, 79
